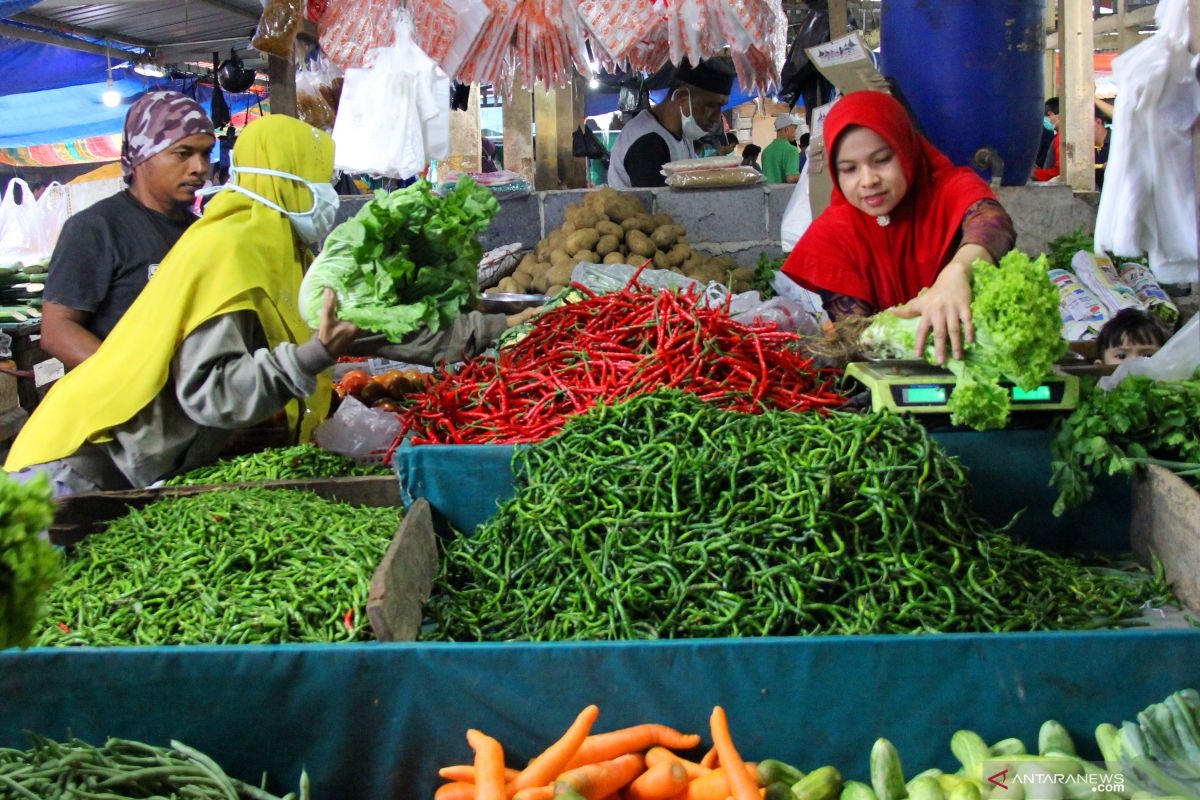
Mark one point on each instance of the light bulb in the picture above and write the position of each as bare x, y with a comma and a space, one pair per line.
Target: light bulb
594, 84
111, 97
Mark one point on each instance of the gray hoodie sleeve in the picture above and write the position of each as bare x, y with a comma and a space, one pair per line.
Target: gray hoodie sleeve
226, 377
469, 336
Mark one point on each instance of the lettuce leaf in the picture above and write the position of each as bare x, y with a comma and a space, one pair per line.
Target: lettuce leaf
408, 259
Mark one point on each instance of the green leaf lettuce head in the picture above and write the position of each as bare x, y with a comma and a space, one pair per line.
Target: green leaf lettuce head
407, 259
28, 562
1014, 307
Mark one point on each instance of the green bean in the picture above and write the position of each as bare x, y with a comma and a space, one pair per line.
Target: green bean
665, 517
228, 566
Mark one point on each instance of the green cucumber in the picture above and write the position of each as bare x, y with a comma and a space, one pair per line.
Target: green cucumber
1054, 737
771, 770
855, 790
887, 775
971, 751
823, 783
925, 788
1008, 747
779, 791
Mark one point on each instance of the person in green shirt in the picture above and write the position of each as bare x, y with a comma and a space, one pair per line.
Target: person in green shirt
781, 158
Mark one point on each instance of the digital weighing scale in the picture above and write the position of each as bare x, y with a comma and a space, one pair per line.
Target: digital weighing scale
916, 387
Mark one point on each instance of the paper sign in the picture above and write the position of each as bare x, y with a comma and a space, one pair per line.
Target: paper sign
847, 64
47, 371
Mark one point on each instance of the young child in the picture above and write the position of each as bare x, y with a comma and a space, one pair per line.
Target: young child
1130, 334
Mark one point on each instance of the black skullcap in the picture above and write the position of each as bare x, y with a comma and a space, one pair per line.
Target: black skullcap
713, 75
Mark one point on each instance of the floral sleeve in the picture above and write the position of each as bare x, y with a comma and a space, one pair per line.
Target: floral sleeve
988, 225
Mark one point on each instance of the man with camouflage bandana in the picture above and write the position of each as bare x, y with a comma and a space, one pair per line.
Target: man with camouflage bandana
108, 251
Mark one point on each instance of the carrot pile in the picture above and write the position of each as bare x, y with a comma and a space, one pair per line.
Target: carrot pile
610, 348
639, 763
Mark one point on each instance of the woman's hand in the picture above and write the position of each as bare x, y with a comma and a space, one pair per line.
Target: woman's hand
334, 334
945, 309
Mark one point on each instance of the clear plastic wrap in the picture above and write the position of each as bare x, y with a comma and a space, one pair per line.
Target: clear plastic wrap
504, 184
276, 32
318, 92
715, 178
700, 164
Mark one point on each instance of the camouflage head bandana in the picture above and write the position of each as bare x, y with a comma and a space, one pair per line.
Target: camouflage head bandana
155, 122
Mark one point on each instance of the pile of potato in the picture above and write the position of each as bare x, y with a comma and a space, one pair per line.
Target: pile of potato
610, 227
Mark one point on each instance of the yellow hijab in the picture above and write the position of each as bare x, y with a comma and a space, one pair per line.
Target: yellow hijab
240, 256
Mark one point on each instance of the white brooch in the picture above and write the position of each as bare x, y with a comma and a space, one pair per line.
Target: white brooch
883, 220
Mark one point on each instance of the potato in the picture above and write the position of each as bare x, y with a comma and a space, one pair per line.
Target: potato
742, 286
661, 219
588, 256
664, 236
639, 243
606, 228
620, 207
642, 222
567, 228
586, 219
660, 260
524, 280
542, 250
509, 285
559, 275
723, 262
679, 254
743, 274
540, 283
694, 262
597, 200
560, 257
493, 290
583, 239
615, 257
607, 244
551, 291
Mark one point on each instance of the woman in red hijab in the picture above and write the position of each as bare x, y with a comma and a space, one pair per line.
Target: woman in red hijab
904, 226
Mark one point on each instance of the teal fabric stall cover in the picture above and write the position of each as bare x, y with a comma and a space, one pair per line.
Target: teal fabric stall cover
1010, 473
374, 722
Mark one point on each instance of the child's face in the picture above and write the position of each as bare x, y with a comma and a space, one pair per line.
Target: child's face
1125, 351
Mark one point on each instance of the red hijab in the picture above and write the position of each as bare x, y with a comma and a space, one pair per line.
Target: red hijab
847, 252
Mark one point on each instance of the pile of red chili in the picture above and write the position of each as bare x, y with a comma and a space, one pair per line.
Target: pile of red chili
609, 348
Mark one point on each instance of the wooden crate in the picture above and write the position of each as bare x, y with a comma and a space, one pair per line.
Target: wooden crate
1166, 521
399, 587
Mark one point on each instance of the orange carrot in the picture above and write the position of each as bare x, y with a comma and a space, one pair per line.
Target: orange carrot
658, 755
637, 739
543, 769
597, 781
659, 782
489, 766
536, 793
715, 785
455, 791
741, 786
466, 773
710, 759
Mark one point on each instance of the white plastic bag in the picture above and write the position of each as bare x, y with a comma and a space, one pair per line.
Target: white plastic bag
53, 208
18, 212
749, 308
1177, 360
797, 216
362, 433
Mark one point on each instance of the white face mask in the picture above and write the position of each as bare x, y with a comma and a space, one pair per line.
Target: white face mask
691, 128
313, 225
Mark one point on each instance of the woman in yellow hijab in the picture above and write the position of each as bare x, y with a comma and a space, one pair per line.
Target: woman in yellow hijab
215, 342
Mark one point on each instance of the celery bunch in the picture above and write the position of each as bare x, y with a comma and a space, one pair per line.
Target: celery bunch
1160, 753
1014, 308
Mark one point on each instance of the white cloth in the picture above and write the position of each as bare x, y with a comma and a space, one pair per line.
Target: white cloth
1149, 200
644, 124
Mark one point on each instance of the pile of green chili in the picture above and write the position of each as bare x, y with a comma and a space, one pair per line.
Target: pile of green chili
666, 518
298, 462
232, 566
122, 768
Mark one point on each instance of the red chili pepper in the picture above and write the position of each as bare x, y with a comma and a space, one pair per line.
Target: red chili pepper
348, 620
62, 626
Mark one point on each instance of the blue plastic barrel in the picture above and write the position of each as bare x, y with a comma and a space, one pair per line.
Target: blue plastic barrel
972, 72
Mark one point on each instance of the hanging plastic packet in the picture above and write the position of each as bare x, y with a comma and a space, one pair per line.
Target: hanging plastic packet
350, 29
448, 29
276, 32
1139, 278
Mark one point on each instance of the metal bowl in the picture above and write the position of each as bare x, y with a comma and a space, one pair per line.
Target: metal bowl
508, 303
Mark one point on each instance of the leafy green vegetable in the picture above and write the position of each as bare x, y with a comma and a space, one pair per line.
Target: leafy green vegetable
28, 563
407, 259
297, 462
1111, 432
764, 273
1015, 311
1160, 753
1060, 251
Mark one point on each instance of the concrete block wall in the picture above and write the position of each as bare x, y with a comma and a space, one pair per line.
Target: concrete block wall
745, 221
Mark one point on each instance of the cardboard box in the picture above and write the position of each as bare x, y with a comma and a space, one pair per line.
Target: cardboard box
1166, 523
400, 585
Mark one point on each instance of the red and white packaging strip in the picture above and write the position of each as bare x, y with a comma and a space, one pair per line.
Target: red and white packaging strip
619, 25
448, 29
350, 29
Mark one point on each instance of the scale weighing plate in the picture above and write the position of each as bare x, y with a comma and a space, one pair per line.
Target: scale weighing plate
916, 387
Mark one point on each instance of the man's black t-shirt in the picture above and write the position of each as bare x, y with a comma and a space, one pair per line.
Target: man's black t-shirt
105, 255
